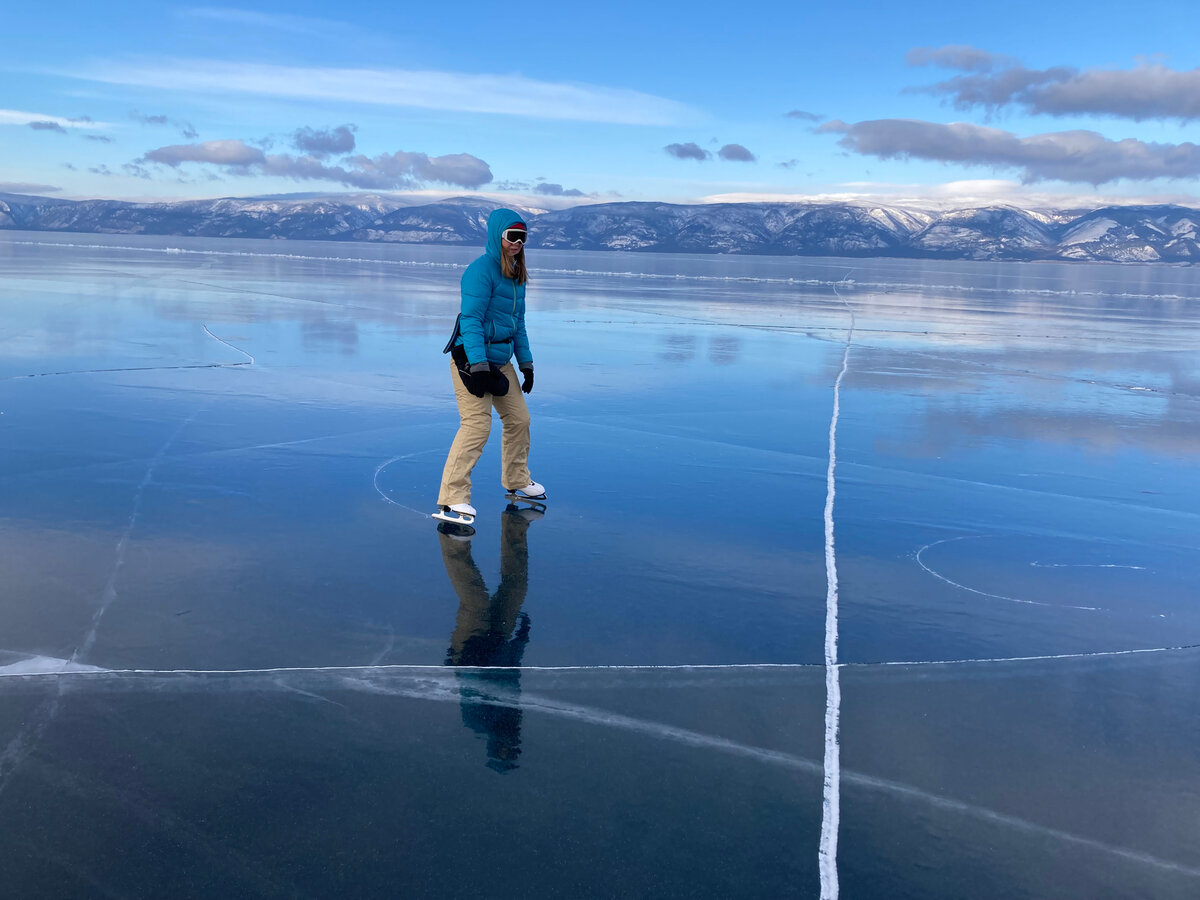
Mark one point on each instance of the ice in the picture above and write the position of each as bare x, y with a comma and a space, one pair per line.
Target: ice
228, 616
44, 665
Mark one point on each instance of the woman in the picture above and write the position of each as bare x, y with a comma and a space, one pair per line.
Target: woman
489, 331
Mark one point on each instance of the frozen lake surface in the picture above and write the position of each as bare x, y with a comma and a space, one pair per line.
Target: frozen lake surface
956, 657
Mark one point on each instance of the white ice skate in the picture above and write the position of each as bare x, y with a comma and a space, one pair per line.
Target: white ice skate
458, 513
533, 493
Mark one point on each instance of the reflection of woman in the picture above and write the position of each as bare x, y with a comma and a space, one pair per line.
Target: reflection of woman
491, 631
490, 330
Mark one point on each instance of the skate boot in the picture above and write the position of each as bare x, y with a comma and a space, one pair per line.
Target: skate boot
531, 493
459, 513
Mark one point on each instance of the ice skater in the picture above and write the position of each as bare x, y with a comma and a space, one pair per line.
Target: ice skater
489, 331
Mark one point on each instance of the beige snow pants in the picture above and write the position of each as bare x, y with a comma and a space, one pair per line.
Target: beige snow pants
475, 415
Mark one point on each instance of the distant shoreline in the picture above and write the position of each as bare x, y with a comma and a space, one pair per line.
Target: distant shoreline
1161, 235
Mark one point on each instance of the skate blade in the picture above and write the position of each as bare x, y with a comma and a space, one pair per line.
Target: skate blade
454, 518
456, 530
521, 498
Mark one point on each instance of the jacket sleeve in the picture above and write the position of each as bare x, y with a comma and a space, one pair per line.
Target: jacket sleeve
476, 295
521, 341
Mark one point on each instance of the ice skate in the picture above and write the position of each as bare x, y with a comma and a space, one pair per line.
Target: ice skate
533, 494
457, 513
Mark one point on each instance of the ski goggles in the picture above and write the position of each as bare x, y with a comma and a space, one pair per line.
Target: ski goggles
516, 235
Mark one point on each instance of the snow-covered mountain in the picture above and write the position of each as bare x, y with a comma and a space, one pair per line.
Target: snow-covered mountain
1143, 234
1115, 233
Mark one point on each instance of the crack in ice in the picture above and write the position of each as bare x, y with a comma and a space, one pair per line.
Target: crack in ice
31, 732
831, 799
438, 684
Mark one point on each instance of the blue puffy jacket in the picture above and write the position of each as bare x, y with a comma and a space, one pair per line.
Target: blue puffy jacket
491, 325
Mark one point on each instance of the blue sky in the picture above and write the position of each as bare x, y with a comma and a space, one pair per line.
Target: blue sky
553, 104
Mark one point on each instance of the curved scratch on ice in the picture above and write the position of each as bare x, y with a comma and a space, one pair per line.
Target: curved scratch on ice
380, 491
963, 587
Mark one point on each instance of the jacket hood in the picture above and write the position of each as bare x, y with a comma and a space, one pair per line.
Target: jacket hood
499, 220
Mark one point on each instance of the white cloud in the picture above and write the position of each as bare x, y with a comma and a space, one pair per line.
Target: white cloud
222, 153
17, 117
504, 94
385, 172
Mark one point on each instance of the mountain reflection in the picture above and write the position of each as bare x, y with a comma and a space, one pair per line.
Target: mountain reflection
491, 631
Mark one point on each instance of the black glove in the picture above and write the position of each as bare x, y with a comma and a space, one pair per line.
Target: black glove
497, 381
527, 381
479, 377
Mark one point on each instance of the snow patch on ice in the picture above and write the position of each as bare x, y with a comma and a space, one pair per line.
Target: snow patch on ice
46, 665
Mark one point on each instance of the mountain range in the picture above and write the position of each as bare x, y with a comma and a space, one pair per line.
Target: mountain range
852, 229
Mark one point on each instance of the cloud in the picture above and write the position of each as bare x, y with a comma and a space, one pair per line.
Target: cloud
185, 128
241, 19
401, 169
991, 91
1148, 91
803, 115
24, 187
328, 142
19, 117
47, 126
736, 153
102, 138
688, 151
957, 56
500, 94
221, 153
789, 164
1077, 156
556, 190
385, 172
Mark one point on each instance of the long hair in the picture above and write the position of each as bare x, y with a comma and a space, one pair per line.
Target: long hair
514, 267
